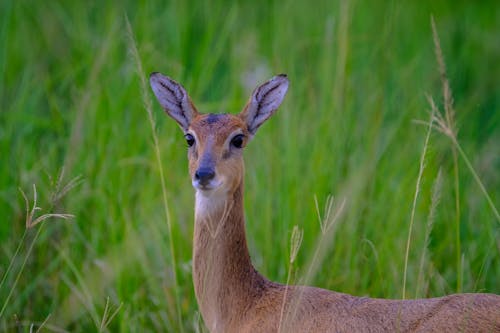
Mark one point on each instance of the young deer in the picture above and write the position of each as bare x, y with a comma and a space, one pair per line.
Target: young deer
232, 296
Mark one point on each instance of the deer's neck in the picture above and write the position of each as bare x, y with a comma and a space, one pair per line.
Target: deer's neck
224, 279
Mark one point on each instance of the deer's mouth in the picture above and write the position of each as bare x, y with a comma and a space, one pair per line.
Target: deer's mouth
207, 187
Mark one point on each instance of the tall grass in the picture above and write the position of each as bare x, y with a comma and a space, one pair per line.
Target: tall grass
71, 99
148, 107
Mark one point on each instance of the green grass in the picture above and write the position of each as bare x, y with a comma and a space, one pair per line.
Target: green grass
72, 106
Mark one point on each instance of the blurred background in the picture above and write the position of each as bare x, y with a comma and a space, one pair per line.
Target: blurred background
74, 126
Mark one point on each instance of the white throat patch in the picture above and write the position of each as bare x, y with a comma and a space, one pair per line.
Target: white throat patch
212, 209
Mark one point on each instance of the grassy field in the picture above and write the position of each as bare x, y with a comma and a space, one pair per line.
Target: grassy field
74, 124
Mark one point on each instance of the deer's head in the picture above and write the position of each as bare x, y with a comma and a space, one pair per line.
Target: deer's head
215, 141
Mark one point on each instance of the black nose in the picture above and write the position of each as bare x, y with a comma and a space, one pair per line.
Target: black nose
204, 175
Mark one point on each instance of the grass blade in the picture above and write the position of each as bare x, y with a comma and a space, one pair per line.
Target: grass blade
147, 105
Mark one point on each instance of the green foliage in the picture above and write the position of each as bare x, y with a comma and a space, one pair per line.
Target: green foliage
71, 109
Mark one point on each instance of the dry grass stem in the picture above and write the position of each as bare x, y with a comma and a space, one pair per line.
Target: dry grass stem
295, 242
32, 326
31, 221
41, 327
327, 220
147, 105
214, 227
107, 317
447, 94
332, 214
414, 205
435, 199
446, 125
61, 190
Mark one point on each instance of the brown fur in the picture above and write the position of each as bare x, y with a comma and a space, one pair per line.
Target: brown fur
233, 296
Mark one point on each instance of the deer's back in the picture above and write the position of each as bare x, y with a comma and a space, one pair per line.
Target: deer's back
309, 309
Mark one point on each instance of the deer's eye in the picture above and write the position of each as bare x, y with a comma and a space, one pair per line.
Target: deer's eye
237, 141
189, 139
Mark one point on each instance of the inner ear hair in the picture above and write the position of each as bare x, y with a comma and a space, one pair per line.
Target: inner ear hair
264, 102
174, 99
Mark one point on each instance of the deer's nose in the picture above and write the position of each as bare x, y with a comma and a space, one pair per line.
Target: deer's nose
204, 175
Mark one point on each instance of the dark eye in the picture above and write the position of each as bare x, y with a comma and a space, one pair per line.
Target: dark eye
189, 139
237, 141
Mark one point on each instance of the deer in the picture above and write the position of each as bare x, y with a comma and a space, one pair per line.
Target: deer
232, 295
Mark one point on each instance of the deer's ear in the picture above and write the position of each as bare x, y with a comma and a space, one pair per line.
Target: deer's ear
174, 99
264, 101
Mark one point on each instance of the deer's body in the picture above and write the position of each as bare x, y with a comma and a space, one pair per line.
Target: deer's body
232, 295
